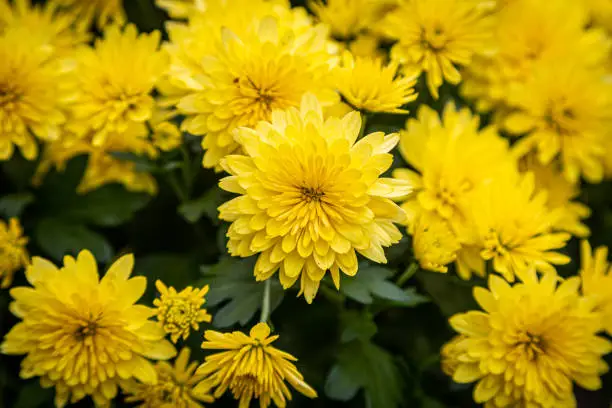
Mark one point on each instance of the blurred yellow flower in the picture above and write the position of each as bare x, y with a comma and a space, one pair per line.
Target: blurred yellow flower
525, 359
436, 36
177, 386
311, 196
98, 12
565, 111
181, 8
244, 78
596, 274
81, 334
349, 18
561, 196
434, 242
370, 86
514, 226
251, 368
180, 312
13, 253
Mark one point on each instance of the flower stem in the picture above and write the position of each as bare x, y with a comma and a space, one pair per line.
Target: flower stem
364, 124
265, 303
408, 273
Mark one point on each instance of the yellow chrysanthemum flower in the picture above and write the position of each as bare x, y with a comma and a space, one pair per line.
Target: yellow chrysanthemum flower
81, 334
596, 274
244, 77
251, 368
310, 197
349, 18
180, 312
100, 12
370, 86
525, 359
434, 242
561, 196
449, 154
47, 25
13, 253
565, 111
434, 36
33, 95
177, 386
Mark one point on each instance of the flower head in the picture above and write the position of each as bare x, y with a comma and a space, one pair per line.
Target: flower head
251, 367
565, 113
311, 197
83, 334
524, 359
245, 75
435, 36
369, 85
596, 274
349, 18
180, 312
13, 254
100, 12
177, 386
434, 242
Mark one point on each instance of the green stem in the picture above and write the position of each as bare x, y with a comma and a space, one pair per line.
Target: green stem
408, 273
265, 303
364, 124
186, 169
176, 186
332, 295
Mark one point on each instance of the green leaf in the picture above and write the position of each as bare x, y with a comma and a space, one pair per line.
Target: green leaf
12, 205
357, 326
238, 295
32, 395
207, 205
141, 163
107, 206
372, 282
449, 293
58, 238
340, 385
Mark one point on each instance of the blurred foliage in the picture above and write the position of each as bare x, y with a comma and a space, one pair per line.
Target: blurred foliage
374, 344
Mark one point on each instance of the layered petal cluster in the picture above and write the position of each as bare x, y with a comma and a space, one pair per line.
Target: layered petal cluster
13, 253
114, 111
524, 359
437, 36
180, 312
596, 274
369, 85
98, 12
224, 77
177, 386
82, 334
311, 196
251, 368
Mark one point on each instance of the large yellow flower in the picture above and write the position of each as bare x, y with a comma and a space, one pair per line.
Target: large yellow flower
370, 86
596, 274
523, 358
435, 36
33, 94
310, 197
81, 334
177, 386
245, 75
13, 253
100, 12
566, 112
514, 226
251, 368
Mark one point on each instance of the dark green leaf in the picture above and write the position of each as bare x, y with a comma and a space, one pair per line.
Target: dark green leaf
357, 326
12, 205
235, 290
207, 205
449, 293
58, 238
339, 384
32, 395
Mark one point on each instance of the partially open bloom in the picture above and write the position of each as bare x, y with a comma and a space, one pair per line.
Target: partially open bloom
13, 253
596, 274
436, 36
246, 74
251, 368
565, 112
81, 334
561, 197
180, 312
434, 242
99, 12
515, 227
370, 86
311, 196
177, 386
521, 358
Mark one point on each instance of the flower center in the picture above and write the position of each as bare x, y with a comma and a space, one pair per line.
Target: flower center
9, 94
531, 345
87, 330
180, 313
560, 119
433, 38
493, 243
311, 194
246, 384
